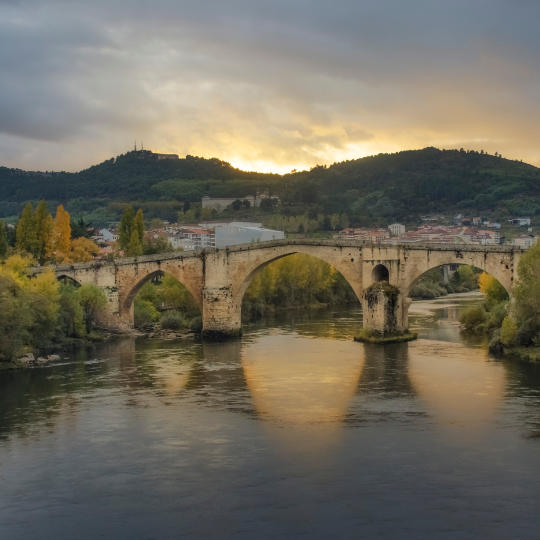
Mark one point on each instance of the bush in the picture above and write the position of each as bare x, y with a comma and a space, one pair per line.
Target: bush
145, 313
474, 319
195, 324
172, 320
509, 332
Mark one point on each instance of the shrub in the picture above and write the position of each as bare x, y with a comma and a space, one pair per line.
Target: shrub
509, 332
195, 324
145, 313
474, 319
172, 320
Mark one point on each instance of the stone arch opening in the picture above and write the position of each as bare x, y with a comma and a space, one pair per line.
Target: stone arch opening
380, 273
294, 280
68, 280
161, 300
447, 277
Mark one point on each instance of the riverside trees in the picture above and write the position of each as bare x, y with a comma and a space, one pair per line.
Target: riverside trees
38, 313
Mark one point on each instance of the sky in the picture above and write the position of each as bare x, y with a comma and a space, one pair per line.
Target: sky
266, 85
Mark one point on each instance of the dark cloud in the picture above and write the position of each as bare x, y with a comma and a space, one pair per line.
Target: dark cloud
291, 83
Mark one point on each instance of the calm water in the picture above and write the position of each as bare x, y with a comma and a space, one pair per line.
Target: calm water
294, 431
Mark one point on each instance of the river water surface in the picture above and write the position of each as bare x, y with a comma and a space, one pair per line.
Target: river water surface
294, 431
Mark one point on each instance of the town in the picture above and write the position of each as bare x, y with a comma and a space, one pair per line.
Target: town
516, 232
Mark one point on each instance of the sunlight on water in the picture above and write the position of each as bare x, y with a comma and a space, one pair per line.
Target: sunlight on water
460, 386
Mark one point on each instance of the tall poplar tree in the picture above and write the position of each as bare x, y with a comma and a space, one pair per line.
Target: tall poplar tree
126, 226
43, 223
138, 225
26, 238
135, 246
61, 234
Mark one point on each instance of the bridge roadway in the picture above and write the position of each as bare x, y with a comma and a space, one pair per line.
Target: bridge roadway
218, 278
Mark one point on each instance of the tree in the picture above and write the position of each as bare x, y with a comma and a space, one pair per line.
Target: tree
43, 223
492, 290
126, 226
61, 242
83, 250
525, 310
93, 302
3, 240
138, 225
26, 231
135, 246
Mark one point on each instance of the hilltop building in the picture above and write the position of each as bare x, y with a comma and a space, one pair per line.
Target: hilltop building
221, 203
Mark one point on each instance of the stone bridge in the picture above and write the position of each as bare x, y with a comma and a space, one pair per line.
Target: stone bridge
218, 278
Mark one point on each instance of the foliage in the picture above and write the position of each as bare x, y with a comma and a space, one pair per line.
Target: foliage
509, 332
375, 189
165, 295
492, 290
83, 250
3, 240
61, 242
37, 312
131, 232
432, 284
145, 313
474, 319
173, 320
93, 301
297, 280
526, 307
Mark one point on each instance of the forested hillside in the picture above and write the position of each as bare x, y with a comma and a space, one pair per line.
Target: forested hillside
400, 186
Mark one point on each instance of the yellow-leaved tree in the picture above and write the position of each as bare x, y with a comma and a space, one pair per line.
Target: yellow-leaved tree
83, 250
61, 244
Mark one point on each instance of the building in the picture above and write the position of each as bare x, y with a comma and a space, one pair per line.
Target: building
221, 203
364, 234
520, 221
524, 241
396, 229
190, 238
230, 234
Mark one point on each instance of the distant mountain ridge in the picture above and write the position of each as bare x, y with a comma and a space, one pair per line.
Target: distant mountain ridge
402, 185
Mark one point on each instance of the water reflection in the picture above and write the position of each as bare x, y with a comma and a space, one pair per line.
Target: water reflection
294, 430
459, 385
294, 380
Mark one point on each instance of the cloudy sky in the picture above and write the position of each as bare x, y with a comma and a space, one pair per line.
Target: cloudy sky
266, 84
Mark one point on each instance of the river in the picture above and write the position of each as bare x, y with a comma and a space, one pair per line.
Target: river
294, 431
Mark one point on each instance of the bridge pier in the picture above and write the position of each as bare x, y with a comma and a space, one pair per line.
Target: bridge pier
222, 313
385, 310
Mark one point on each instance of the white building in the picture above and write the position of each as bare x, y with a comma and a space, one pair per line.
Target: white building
231, 234
396, 229
524, 241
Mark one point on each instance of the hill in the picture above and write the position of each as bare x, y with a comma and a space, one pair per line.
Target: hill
379, 188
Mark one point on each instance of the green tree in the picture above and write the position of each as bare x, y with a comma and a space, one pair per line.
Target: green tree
135, 248
3, 240
44, 232
525, 310
93, 301
138, 225
125, 229
26, 239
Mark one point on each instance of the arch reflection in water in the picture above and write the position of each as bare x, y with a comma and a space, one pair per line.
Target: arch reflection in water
310, 385
459, 385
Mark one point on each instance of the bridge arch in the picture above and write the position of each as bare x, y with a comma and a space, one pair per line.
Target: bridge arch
347, 261
494, 264
65, 279
127, 303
